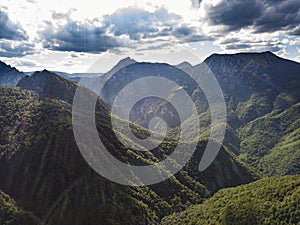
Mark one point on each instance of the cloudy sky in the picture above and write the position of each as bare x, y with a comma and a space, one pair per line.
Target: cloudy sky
74, 36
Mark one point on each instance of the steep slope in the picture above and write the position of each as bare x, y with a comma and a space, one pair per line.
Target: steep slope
11, 214
271, 142
268, 201
256, 86
49, 85
9, 76
262, 96
42, 168
90, 81
150, 106
253, 72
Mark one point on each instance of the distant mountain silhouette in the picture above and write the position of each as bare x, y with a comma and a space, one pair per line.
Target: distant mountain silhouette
9, 76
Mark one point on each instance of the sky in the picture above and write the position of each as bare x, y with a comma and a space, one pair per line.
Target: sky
91, 36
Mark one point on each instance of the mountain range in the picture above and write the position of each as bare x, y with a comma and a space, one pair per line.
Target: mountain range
45, 180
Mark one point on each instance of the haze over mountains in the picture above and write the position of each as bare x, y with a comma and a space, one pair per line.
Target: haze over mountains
9, 76
42, 169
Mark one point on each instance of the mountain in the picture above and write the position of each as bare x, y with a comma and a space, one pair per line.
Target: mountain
49, 84
268, 201
43, 170
185, 66
9, 76
152, 106
244, 73
261, 92
262, 95
122, 64
46, 178
93, 81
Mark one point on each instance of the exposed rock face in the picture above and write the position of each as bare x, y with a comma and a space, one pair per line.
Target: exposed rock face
249, 72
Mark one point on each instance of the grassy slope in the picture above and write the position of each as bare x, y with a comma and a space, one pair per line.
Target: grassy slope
268, 201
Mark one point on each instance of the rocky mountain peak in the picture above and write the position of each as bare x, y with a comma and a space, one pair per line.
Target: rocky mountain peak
121, 64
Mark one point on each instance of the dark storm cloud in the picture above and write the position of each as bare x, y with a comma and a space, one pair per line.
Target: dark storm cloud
295, 32
261, 15
77, 37
235, 14
10, 30
281, 15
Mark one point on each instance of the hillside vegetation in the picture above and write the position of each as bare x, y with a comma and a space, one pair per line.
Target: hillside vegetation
43, 170
269, 201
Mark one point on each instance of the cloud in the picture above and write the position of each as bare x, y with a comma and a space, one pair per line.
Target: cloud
152, 47
135, 22
196, 3
15, 48
235, 14
139, 24
63, 16
259, 15
10, 30
246, 41
77, 37
126, 27
23, 63
280, 16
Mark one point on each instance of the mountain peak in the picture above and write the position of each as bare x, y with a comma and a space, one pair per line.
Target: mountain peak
242, 54
127, 59
262, 58
50, 85
45, 72
185, 66
121, 64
